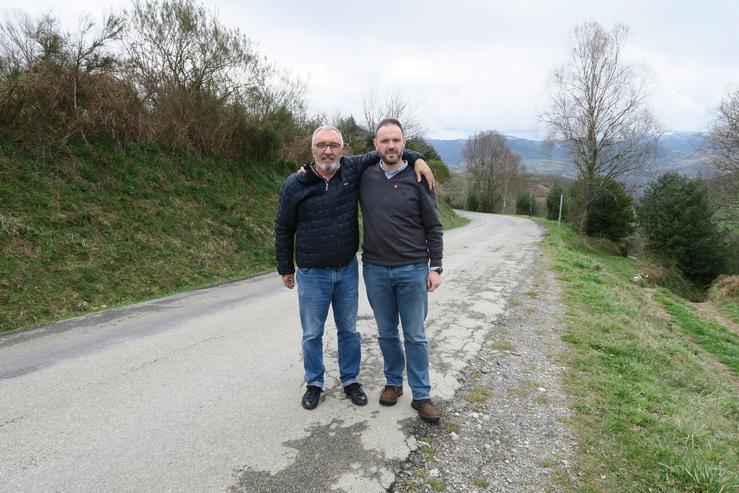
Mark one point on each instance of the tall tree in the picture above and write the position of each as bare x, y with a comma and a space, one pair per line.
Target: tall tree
724, 135
677, 220
204, 82
597, 107
179, 45
357, 139
724, 141
491, 169
397, 106
51, 79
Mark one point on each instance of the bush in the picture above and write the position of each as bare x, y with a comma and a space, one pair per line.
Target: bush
182, 80
677, 221
611, 212
441, 170
553, 198
525, 204
473, 202
56, 85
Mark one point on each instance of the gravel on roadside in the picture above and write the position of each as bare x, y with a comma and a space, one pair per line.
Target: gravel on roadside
505, 429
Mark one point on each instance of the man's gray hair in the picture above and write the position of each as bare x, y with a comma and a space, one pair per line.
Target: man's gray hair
326, 127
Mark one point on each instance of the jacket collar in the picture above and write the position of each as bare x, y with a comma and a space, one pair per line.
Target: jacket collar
312, 176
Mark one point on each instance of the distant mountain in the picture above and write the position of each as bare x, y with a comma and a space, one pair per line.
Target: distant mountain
678, 151
684, 152
450, 151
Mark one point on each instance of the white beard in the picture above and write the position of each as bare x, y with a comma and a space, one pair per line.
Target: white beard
328, 167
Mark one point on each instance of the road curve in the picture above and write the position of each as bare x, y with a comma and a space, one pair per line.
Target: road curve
201, 391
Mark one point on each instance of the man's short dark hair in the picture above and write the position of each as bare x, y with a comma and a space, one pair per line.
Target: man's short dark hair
388, 121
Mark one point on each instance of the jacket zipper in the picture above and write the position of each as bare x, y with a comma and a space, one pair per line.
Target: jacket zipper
321, 177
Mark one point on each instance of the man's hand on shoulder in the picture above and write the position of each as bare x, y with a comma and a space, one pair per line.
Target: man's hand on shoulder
434, 281
289, 280
423, 169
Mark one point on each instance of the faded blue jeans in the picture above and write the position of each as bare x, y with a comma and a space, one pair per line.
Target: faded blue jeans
399, 294
317, 290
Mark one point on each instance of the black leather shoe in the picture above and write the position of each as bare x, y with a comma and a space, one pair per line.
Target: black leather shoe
356, 394
311, 396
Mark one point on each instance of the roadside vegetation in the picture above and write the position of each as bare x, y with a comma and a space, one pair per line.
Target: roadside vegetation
725, 296
597, 112
105, 225
143, 155
654, 383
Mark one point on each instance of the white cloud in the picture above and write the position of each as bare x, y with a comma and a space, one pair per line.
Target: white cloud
474, 65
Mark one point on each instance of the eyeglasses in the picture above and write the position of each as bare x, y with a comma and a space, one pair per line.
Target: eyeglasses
322, 146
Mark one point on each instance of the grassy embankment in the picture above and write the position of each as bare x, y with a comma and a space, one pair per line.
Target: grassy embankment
101, 227
654, 384
727, 305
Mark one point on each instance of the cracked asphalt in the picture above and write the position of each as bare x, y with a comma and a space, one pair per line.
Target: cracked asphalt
201, 391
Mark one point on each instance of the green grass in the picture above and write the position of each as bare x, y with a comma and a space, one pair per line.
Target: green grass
711, 336
451, 426
526, 388
102, 226
669, 277
652, 413
437, 485
502, 346
428, 450
480, 483
729, 309
449, 218
725, 296
478, 395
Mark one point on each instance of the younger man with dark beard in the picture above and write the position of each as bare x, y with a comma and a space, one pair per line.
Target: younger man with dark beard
401, 254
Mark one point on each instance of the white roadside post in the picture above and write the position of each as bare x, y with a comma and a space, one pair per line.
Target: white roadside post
561, 198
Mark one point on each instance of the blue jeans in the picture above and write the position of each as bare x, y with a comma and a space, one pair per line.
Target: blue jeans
401, 292
317, 289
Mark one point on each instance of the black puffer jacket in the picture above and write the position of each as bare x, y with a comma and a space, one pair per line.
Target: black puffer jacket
318, 220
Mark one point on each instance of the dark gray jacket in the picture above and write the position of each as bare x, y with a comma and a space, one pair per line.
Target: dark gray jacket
318, 220
401, 219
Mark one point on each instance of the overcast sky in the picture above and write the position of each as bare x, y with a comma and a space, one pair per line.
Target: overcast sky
466, 65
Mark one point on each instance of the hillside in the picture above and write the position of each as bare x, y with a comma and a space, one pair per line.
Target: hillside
653, 380
678, 151
103, 226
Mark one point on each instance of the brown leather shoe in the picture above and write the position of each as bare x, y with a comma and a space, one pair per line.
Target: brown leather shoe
426, 410
390, 394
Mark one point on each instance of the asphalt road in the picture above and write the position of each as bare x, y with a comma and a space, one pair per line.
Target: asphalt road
201, 391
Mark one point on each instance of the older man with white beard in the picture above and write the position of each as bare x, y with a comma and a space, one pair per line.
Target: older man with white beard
317, 223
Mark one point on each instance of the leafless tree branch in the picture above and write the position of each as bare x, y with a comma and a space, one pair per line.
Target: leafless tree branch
597, 108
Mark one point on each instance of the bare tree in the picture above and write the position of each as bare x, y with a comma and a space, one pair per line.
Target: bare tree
511, 172
20, 48
723, 139
397, 106
597, 107
724, 135
202, 83
179, 45
491, 170
26, 43
51, 79
86, 48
